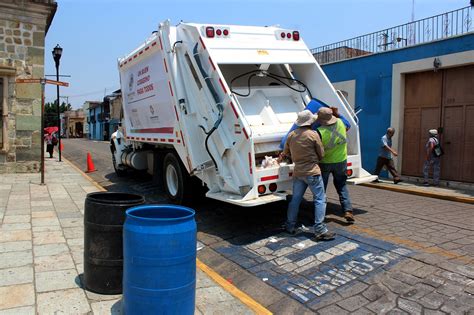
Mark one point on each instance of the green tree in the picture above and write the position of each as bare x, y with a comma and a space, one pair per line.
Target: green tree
51, 112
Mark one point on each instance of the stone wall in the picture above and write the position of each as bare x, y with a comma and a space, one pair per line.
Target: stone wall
22, 32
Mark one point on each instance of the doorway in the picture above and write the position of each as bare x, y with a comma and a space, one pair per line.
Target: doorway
441, 100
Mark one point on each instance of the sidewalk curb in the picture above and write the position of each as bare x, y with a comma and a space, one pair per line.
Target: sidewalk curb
84, 174
420, 193
233, 290
226, 285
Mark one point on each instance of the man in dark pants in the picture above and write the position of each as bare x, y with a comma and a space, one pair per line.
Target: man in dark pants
385, 156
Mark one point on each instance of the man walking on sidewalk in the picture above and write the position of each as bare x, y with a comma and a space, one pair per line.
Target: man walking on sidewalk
304, 147
334, 139
385, 156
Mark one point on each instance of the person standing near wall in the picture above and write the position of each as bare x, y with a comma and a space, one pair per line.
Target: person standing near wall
49, 144
304, 147
385, 156
334, 139
433, 157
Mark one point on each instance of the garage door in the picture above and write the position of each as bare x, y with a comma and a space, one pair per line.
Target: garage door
440, 99
422, 112
458, 124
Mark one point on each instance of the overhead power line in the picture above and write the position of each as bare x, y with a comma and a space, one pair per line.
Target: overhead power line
94, 92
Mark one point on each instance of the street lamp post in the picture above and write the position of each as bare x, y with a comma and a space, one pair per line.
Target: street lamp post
57, 52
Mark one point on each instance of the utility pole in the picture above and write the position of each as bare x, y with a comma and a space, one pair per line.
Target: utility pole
43, 82
67, 99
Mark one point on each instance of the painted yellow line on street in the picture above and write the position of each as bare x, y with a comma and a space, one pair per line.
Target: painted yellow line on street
96, 184
411, 244
226, 285
418, 192
243, 297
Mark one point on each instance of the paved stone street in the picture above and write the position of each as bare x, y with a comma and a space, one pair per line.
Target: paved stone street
399, 257
41, 249
405, 254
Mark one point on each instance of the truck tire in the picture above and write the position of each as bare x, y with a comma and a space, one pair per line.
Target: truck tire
118, 171
176, 180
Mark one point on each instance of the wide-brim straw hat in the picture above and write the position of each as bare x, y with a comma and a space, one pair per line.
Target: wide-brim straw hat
325, 116
305, 118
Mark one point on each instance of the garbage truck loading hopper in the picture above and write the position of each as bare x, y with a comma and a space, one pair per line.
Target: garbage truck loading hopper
235, 92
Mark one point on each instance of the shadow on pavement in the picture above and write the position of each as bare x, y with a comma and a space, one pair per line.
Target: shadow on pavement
218, 221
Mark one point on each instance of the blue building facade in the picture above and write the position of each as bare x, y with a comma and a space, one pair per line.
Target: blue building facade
98, 120
113, 101
375, 84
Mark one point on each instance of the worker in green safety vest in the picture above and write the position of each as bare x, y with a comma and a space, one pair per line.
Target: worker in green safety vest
334, 139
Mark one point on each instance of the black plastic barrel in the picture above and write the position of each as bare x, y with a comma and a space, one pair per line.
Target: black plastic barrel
104, 216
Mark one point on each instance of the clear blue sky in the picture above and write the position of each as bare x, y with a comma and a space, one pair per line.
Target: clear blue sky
94, 33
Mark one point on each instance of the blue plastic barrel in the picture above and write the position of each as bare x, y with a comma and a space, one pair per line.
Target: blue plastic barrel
159, 272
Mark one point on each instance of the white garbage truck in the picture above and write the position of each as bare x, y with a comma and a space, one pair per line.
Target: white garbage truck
208, 104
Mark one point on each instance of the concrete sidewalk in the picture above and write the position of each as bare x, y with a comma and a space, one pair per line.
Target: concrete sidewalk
41, 249
458, 193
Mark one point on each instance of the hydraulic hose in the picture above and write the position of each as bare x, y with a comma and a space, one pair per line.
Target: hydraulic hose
219, 106
209, 133
274, 76
205, 75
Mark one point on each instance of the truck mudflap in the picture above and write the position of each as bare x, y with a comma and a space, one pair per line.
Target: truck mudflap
364, 177
239, 200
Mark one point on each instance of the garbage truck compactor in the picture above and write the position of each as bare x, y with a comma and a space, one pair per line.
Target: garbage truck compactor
211, 103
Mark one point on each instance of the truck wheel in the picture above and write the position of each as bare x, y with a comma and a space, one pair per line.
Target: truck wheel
176, 180
118, 171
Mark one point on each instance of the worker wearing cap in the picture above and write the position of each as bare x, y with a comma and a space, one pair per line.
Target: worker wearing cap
304, 147
433, 157
334, 139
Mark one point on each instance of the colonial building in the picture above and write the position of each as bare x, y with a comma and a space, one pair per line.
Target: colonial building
85, 109
97, 119
74, 123
116, 110
417, 76
104, 117
23, 27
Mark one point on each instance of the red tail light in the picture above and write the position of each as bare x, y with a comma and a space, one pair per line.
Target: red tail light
296, 35
349, 173
225, 32
282, 35
272, 187
210, 31
262, 189
288, 35
218, 32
